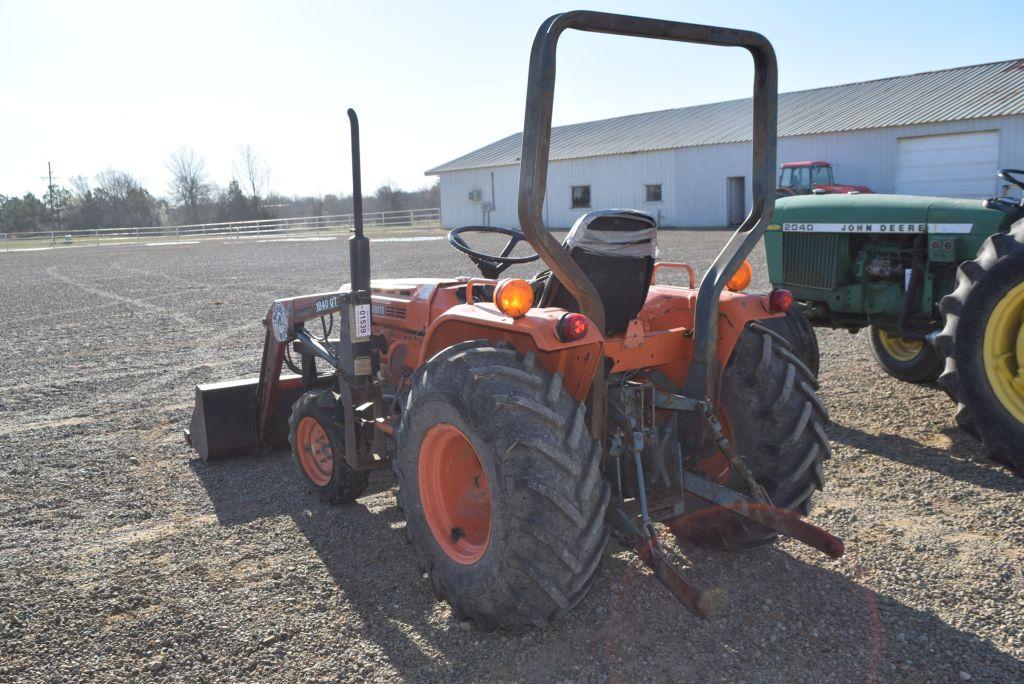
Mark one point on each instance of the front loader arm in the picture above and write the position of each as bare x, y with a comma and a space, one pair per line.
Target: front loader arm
283, 324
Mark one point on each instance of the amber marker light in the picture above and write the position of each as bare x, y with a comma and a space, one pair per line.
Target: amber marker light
513, 297
741, 280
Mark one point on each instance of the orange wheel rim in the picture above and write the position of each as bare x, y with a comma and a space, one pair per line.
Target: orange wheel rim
455, 495
314, 449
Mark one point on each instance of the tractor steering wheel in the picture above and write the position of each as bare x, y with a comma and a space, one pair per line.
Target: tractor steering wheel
1010, 176
491, 265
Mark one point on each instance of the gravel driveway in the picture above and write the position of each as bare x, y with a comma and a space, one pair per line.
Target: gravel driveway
124, 558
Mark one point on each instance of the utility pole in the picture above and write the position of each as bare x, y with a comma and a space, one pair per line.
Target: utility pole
49, 192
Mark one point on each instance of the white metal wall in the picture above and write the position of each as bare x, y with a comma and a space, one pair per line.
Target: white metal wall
615, 182
458, 210
704, 198
694, 180
871, 157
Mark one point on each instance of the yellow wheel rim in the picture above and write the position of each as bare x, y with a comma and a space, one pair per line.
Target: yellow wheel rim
899, 348
1003, 351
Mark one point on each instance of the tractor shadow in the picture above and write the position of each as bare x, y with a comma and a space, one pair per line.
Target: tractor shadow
780, 618
961, 460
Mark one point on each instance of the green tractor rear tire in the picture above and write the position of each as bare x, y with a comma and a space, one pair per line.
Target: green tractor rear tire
907, 360
983, 341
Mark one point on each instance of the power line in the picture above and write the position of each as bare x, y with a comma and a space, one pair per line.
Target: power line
49, 191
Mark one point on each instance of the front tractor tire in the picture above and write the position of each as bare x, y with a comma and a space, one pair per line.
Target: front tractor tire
501, 487
983, 341
317, 435
772, 413
907, 360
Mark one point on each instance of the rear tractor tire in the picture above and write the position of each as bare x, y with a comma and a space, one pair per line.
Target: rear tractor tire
983, 341
317, 435
773, 415
907, 360
501, 487
799, 332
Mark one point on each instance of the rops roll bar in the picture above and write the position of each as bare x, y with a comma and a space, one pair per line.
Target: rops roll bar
700, 383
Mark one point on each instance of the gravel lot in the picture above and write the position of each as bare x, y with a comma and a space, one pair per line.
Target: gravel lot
122, 557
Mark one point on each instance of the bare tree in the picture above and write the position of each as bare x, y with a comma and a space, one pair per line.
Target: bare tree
252, 170
389, 196
123, 201
80, 184
116, 184
188, 187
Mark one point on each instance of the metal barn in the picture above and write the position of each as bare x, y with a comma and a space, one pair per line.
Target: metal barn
935, 133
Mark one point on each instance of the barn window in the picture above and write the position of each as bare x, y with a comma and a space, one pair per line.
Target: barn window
653, 192
581, 197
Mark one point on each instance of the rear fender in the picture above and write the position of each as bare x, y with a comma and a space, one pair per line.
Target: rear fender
662, 336
734, 313
575, 361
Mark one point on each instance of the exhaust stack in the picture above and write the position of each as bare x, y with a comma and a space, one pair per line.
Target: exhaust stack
358, 244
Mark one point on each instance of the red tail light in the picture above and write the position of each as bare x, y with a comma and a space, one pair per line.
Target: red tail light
572, 327
780, 301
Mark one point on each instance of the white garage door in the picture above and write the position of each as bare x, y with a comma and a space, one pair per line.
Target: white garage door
959, 165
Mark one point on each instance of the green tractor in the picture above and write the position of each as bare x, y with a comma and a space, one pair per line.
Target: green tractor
939, 282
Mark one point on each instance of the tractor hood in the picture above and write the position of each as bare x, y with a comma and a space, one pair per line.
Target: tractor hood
891, 214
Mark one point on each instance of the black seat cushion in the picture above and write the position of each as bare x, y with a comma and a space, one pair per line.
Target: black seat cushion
622, 283
616, 250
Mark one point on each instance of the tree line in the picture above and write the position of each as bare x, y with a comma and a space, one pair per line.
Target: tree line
117, 199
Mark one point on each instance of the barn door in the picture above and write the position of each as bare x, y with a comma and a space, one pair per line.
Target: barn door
736, 197
957, 165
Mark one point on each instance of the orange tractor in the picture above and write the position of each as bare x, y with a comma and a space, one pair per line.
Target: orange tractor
527, 420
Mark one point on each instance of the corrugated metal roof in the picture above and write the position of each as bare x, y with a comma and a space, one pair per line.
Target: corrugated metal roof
971, 92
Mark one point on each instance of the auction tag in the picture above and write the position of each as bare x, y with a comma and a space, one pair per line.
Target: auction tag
362, 320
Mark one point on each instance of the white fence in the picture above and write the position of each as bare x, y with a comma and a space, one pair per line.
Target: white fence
266, 228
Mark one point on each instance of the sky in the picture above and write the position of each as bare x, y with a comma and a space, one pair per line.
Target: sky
96, 85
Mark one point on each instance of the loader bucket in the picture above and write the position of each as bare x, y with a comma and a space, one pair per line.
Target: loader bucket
223, 421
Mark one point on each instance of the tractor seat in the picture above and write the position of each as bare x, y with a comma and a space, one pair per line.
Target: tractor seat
616, 248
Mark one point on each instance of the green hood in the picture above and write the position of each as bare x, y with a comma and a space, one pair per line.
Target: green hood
864, 209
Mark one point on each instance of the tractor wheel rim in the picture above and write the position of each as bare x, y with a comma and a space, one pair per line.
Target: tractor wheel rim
314, 449
1003, 351
455, 494
900, 348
